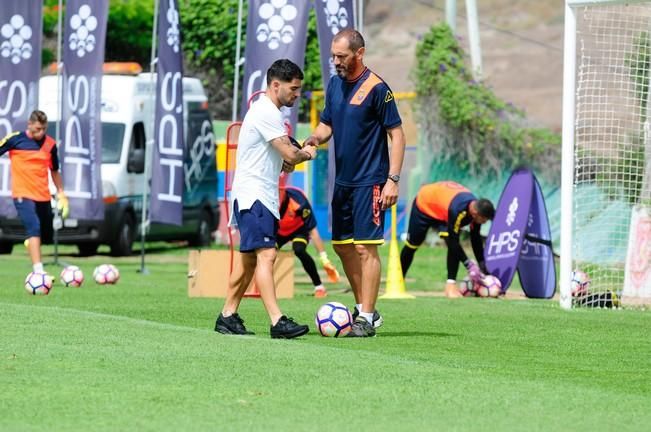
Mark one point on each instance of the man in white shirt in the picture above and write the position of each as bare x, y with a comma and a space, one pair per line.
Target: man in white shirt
263, 146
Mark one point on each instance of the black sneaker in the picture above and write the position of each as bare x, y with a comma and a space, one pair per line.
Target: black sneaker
231, 325
287, 328
377, 318
362, 328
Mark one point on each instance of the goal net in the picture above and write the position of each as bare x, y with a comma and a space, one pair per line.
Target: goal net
606, 227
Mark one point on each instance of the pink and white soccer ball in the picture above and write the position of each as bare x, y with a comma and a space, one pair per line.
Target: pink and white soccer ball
490, 286
580, 283
38, 283
467, 288
333, 319
72, 276
106, 274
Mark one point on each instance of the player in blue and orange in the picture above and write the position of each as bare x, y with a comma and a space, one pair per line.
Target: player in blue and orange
447, 207
298, 225
360, 111
33, 157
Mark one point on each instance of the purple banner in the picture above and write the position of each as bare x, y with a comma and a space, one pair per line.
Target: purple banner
274, 30
536, 268
506, 236
21, 27
331, 17
81, 127
166, 204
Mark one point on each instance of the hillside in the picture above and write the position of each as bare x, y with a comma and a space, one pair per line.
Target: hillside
521, 42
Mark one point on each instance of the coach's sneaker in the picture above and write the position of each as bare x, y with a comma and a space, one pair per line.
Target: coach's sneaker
361, 328
377, 318
233, 325
287, 328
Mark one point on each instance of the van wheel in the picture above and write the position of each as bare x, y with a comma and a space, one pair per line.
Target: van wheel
87, 249
203, 236
6, 248
123, 243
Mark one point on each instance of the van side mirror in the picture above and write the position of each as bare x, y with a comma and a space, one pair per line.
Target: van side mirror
136, 162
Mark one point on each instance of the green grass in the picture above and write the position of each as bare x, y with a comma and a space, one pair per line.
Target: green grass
141, 355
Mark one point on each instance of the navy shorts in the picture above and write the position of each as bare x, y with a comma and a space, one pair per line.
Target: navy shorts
356, 215
257, 227
36, 217
419, 224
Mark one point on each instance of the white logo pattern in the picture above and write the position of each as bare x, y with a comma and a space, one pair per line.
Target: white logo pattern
275, 30
336, 15
513, 207
83, 25
173, 33
15, 43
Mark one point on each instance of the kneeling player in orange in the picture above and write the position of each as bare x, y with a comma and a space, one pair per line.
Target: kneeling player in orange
298, 225
447, 207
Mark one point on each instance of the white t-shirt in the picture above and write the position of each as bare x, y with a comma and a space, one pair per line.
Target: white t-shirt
258, 163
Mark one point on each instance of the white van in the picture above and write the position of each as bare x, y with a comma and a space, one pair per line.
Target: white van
127, 120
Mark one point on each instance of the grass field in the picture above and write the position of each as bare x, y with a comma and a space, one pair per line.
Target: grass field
143, 356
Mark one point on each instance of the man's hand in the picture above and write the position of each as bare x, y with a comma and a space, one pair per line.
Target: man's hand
311, 150
333, 274
288, 168
311, 141
389, 194
63, 205
474, 272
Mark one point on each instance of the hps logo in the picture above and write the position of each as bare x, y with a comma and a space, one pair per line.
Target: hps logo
513, 208
276, 29
506, 239
336, 14
83, 24
16, 36
173, 33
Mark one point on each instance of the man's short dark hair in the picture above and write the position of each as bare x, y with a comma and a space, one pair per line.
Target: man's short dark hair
354, 38
284, 70
38, 116
485, 208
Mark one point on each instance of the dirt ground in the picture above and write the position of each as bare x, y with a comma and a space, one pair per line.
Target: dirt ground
521, 43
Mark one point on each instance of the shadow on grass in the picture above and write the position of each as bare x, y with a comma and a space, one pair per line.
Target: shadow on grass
416, 333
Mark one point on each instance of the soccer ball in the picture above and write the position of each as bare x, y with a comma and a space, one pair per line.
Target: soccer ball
333, 320
38, 283
106, 274
490, 286
580, 283
72, 276
467, 288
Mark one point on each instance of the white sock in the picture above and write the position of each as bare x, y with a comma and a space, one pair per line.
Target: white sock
319, 287
368, 316
359, 307
38, 268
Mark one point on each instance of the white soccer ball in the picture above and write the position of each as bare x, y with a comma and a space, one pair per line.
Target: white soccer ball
38, 283
106, 274
490, 286
467, 288
333, 319
580, 283
72, 276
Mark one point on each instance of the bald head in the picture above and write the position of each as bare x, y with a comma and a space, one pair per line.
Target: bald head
353, 37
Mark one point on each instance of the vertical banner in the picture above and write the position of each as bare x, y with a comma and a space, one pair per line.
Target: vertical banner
21, 27
81, 128
274, 30
331, 17
166, 204
509, 226
536, 268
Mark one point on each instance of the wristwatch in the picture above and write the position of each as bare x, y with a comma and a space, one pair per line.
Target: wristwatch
394, 178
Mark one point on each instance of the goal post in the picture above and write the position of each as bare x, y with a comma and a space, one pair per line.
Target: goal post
606, 175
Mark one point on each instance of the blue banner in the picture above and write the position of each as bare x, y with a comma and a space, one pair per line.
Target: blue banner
536, 268
166, 204
331, 18
81, 127
21, 27
274, 30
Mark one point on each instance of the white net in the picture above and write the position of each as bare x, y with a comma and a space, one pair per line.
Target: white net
611, 146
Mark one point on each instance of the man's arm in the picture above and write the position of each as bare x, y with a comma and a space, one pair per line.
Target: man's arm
477, 245
291, 154
321, 134
62, 200
389, 194
57, 180
6, 143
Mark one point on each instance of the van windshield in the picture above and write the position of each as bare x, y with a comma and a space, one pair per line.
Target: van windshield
112, 138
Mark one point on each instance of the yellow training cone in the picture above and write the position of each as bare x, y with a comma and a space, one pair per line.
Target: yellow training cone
395, 288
